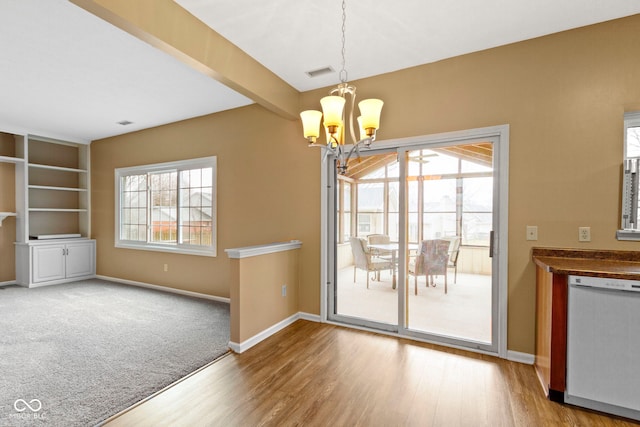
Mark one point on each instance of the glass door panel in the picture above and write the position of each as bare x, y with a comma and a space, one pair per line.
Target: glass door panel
367, 247
449, 291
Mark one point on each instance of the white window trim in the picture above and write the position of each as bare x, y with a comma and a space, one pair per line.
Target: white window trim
202, 162
631, 119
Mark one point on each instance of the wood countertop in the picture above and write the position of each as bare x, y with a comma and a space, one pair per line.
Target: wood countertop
594, 263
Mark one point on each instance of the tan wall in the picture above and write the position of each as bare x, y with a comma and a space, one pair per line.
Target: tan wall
7, 204
265, 193
256, 292
563, 96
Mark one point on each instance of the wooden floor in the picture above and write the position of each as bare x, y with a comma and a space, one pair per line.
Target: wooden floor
316, 374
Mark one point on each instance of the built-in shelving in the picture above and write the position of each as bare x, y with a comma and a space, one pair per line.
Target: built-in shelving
49, 187
56, 168
58, 193
56, 210
52, 208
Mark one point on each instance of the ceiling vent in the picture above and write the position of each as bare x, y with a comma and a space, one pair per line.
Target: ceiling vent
320, 72
124, 122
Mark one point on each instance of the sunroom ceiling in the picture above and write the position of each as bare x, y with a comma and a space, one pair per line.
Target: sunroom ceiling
480, 153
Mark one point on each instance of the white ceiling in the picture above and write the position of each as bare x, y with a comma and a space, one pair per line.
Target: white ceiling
65, 73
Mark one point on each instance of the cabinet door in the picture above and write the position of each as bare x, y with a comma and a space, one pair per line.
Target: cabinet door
80, 259
48, 263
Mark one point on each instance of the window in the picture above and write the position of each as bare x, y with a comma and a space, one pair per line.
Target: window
167, 207
630, 229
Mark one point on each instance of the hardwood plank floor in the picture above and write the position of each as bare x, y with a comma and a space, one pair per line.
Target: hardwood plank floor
316, 374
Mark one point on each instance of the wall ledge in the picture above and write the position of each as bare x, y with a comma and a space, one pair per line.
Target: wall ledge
269, 248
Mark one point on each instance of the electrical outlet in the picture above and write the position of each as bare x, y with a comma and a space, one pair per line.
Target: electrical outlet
532, 232
166, 267
584, 234
284, 290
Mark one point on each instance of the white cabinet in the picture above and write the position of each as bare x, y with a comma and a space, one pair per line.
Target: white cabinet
48, 263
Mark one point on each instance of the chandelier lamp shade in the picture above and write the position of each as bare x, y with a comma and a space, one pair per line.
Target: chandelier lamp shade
338, 114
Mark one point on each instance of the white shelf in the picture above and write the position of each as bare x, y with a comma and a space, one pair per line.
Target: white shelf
4, 215
56, 168
55, 210
7, 159
48, 187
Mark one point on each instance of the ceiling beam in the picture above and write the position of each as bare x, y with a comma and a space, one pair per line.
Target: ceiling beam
167, 26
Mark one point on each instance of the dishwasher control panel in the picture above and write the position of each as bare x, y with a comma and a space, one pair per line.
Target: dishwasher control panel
605, 283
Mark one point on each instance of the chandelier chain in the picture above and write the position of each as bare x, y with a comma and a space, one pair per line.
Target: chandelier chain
343, 71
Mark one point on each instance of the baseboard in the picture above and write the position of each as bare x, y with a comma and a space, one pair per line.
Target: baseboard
164, 288
10, 282
310, 317
245, 345
516, 356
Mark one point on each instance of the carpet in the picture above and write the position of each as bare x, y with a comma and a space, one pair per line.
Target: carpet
77, 353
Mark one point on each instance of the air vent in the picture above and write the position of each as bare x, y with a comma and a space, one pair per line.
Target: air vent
320, 72
125, 122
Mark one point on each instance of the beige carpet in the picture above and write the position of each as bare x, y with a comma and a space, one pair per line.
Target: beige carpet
464, 312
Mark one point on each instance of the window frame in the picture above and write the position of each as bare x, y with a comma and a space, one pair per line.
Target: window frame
631, 119
178, 166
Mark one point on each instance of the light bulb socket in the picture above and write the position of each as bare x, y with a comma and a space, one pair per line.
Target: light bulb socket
332, 129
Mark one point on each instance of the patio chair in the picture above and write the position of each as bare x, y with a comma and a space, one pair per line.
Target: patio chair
380, 239
365, 260
454, 251
432, 260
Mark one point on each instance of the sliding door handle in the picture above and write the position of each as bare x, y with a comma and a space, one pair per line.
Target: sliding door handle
491, 244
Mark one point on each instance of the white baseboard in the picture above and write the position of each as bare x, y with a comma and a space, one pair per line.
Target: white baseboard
310, 317
164, 288
10, 282
516, 356
247, 344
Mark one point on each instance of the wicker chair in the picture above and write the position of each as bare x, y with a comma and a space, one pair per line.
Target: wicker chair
380, 239
432, 260
363, 259
454, 251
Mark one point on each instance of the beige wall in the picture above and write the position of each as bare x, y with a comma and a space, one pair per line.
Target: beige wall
266, 193
256, 292
563, 96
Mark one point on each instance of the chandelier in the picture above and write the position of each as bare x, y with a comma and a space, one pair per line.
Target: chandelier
336, 116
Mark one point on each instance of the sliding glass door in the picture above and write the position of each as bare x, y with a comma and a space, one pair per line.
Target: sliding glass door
411, 231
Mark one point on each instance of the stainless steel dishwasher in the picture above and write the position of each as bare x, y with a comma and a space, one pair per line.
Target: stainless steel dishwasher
603, 345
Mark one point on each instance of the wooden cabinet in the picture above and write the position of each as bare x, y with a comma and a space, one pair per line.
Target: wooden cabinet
551, 332
49, 263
